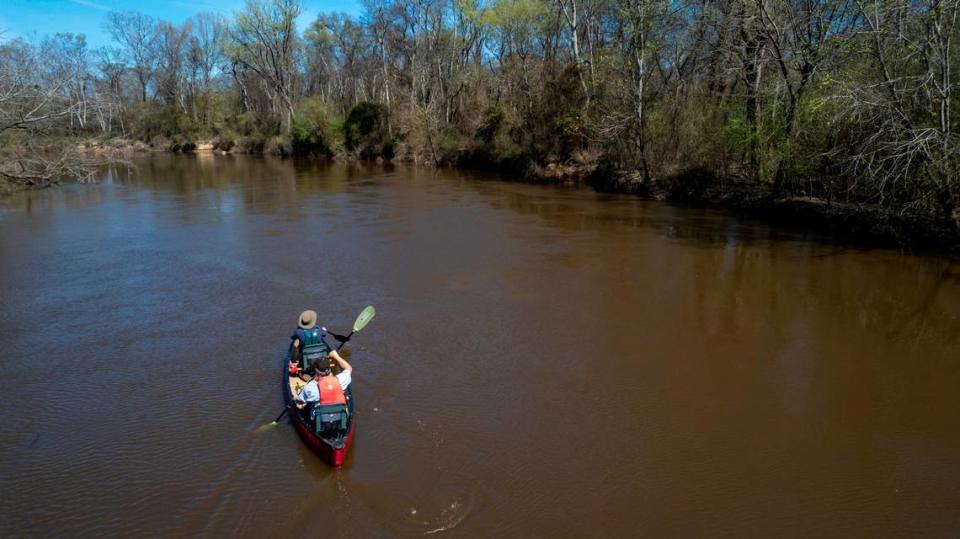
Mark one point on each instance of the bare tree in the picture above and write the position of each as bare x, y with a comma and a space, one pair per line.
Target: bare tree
204, 56
640, 18
171, 61
67, 57
34, 100
263, 39
137, 35
569, 10
31, 96
109, 105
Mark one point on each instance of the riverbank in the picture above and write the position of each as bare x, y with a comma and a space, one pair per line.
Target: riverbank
861, 224
855, 223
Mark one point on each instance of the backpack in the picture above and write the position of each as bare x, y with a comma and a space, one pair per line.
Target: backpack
312, 345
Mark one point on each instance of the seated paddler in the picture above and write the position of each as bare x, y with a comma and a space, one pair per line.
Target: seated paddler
309, 343
326, 390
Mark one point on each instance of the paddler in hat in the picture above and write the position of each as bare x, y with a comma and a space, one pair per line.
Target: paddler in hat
309, 342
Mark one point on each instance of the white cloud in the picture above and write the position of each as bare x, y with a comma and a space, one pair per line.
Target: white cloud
219, 7
94, 5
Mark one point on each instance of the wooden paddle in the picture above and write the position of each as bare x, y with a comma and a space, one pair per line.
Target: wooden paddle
365, 316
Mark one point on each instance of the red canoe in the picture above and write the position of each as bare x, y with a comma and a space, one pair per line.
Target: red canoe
332, 446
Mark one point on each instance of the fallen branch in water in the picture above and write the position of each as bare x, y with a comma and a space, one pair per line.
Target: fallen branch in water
32, 167
34, 172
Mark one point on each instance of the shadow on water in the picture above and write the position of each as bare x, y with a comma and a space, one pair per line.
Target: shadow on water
580, 208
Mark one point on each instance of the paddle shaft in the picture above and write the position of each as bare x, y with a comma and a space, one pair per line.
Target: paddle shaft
343, 342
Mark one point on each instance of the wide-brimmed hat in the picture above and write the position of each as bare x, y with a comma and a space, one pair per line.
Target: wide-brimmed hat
308, 319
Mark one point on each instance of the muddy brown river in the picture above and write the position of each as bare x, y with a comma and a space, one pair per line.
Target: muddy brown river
545, 362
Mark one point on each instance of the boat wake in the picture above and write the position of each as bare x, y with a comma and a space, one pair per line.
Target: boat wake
452, 515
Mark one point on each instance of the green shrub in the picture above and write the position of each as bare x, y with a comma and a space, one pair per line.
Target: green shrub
152, 120
310, 132
736, 135
224, 142
279, 145
250, 144
160, 142
251, 124
365, 131
181, 143
452, 143
493, 118
569, 133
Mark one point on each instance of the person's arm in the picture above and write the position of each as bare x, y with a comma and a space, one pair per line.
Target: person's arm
341, 338
337, 336
334, 355
294, 363
305, 396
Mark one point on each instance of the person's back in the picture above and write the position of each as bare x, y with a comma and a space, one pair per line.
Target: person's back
331, 390
325, 395
309, 342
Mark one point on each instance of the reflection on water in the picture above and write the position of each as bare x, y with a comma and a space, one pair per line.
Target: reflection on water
545, 361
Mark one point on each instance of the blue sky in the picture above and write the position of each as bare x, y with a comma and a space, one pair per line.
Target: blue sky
35, 18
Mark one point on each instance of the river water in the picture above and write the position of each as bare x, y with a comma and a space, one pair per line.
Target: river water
544, 362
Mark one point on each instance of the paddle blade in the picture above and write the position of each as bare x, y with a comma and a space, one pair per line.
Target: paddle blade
365, 316
268, 426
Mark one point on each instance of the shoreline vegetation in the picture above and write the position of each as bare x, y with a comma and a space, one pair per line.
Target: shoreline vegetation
839, 115
859, 224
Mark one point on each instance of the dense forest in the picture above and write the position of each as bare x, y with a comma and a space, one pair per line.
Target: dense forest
844, 102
